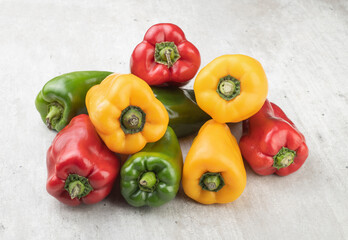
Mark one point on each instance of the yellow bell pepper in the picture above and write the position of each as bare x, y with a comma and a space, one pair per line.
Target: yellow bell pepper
126, 113
213, 170
231, 88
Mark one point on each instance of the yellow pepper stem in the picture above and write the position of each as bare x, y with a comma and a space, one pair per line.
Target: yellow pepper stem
211, 181
132, 119
228, 87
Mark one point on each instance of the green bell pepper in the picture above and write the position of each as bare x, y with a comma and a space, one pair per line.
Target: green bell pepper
152, 176
185, 117
63, 97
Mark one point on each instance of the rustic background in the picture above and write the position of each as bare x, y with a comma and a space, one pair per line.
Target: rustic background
303, 46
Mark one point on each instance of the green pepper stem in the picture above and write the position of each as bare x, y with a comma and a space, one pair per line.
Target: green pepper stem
53, 115
148, 181
211, 181
284, 158
132, 120
77, 186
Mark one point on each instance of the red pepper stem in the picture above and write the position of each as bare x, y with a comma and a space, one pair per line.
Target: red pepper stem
77, 186
166, 53
76, 190
169, 60
53, 115
284, 158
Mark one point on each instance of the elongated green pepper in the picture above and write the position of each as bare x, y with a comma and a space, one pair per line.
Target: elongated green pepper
152, 176
63, 97
185, 117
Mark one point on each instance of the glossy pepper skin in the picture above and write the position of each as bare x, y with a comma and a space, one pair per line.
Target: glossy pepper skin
231, 88
213, 170
63, 97
165, 57
81, 169
126, 113
152, 176
185, 117
271, 143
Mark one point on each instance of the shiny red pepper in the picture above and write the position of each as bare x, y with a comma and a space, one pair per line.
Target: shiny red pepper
80, 167
165, 57
271, 143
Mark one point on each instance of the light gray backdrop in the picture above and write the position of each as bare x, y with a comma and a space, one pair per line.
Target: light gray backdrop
303, 46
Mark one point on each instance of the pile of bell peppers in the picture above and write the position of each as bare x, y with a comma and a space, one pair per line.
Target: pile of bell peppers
102, 117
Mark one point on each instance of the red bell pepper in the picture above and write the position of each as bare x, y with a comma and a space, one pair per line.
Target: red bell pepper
271, 143
165, 57
80, 167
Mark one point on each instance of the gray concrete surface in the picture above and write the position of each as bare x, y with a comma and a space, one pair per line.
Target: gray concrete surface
303, 46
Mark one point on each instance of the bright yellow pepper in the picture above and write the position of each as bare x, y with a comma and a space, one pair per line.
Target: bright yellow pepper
231, 88
126, 113
213, 170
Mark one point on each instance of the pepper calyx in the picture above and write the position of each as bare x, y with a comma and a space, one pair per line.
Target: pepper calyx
211, 181
284, 158
77, 186
148, 181
132, 119
166, 53
228, 87
54, 114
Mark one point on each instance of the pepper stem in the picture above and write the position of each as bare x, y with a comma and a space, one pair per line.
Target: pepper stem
284, 158
77, 186
148, 182
166, 53
53, 115
132, 120
211, 181
228, 87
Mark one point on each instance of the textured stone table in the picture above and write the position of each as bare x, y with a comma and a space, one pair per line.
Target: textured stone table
303, 46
